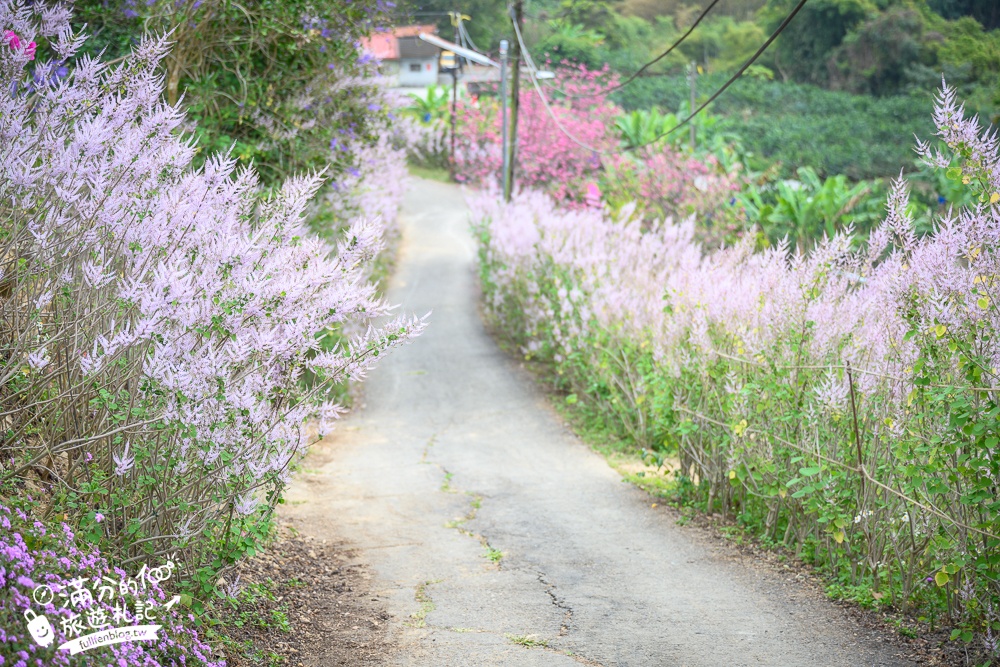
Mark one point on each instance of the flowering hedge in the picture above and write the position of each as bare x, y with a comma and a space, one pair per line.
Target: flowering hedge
156, 320
843, 402
546, 157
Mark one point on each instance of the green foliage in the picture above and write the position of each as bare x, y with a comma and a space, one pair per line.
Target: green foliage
271, 80
877, 57
801, 125
723, 44
434, 105
652, 128
801, 52
986, 12
572, 41
808, 208
640, 128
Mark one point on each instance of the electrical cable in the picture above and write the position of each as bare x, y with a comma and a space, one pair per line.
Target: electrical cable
665, 53
738, 74
545, 100
732, 79
465, 33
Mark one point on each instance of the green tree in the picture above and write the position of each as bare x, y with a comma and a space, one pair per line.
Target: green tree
877, 56
986, 12
571, 41
593, 14
277, 80
803, 50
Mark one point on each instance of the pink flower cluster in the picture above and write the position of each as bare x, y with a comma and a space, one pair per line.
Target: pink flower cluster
665, 182
15, 44
559, 161
569, 146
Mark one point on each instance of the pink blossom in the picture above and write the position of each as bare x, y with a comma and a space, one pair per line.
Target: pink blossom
15, 43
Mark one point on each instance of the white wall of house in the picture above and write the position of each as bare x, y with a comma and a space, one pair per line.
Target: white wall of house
418, 71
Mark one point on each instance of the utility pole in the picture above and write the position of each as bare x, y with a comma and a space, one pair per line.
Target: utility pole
454, 112
505, 149
518, 19
454, 91
691, 80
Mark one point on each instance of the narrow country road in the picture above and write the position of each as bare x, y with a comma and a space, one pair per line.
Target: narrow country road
496, 537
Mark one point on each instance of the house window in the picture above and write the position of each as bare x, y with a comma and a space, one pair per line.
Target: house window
414, 67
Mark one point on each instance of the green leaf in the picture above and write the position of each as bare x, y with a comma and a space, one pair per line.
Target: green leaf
941, 578
811, 471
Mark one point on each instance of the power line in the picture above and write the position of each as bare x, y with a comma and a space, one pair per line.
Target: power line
468, 38
545, 101
660, 57
733, 78
665, 53
532, 70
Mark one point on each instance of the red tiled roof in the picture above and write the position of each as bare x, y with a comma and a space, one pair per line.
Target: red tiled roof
413, 30
384, 45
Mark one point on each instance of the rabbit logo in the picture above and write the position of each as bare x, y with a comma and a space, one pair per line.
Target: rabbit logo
39, 627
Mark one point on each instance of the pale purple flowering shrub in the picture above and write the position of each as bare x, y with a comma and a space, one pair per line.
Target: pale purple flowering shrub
426, 143
373, 188
156, 320
844, 401
31, 555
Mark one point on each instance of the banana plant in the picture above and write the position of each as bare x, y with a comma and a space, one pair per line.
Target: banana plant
645, 128
432, 106
640, 128
807, 208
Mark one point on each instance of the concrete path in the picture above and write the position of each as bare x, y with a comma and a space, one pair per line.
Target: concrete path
497, 538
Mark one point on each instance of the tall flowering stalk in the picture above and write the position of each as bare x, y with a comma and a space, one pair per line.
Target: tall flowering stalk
843, 401
156, 320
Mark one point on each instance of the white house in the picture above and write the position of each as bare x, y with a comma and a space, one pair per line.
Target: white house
406, 59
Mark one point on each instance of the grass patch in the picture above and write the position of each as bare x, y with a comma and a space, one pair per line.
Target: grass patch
493, 555
426, 605
528, 641
446, 484
430, 173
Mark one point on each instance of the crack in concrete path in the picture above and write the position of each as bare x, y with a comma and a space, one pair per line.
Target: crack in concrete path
475, 503
550, 589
